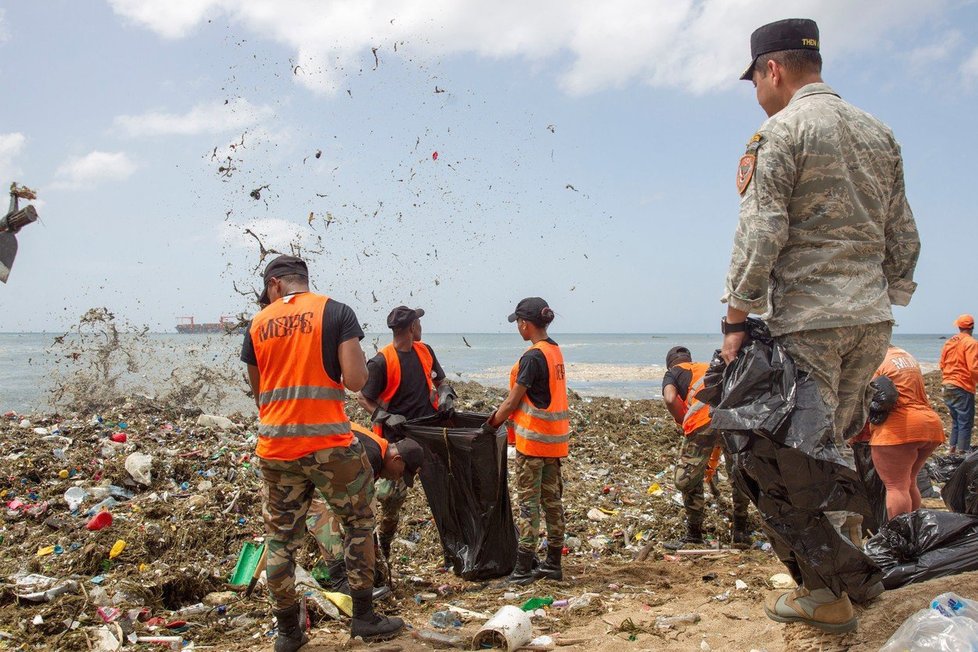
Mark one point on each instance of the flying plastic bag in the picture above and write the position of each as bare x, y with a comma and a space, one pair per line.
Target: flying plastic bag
960, 493
779, 433
925, 544
464, 476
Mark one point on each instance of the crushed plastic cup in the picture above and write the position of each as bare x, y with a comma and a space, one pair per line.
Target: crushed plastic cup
100, 521
75, 497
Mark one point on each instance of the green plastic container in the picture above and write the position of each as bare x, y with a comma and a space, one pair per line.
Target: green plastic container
247, 563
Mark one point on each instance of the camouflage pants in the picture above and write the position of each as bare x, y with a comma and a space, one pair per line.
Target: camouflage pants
325, 527
344, 478
695, 455
842, 362
539, 487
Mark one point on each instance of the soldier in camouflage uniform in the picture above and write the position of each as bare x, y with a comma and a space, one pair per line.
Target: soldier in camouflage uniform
826, 243
302, 350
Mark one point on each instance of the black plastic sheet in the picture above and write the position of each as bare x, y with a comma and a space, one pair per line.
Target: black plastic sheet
941, 468
875, 489
960, 494
465, 480
925, 544
779, 433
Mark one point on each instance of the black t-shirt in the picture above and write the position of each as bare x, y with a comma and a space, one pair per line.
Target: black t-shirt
372, 450
339, 325
678, 378
535, 376
411, 400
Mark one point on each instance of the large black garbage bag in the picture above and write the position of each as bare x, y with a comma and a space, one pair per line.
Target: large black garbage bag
960, 493
779, 433
465, 480
925, 544
875, 489
941, 468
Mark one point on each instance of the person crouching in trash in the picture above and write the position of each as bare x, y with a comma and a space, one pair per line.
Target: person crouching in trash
540, 427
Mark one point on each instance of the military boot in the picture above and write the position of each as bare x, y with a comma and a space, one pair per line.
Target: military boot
550, 568
367, 623
526, 562
290, 635
741, 534
339, 582
693, 537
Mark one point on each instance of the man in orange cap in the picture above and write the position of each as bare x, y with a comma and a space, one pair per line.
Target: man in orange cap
959, 375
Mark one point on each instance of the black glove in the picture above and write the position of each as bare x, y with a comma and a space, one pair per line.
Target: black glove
446, 399
884, 399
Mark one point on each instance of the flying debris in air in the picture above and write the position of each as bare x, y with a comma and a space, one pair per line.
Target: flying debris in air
311, 216
374, 295
570, 187
434, 156
552, 128
439, 90
256, 193
466, 342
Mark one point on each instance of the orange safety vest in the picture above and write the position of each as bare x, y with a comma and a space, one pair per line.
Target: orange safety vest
959, 362
383, 443
300, 408
393, 364
542, 432
912, 419
697, 412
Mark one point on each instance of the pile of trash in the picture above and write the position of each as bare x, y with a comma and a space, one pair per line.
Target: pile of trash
124, 526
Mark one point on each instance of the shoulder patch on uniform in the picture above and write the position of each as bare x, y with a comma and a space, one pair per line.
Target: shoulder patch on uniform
747, 163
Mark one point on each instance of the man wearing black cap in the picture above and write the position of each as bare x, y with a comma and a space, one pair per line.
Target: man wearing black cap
403, 379
826, 243
700, 450
303, 350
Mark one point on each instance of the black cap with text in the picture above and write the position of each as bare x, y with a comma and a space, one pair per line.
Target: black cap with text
283, 265
788, 34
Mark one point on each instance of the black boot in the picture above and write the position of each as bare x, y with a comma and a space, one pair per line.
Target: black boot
368, 624
694, 536
339, 582
526, 562
290, 634
550, 568
741, 534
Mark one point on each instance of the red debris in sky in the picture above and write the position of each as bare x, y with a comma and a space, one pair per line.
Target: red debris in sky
434, 156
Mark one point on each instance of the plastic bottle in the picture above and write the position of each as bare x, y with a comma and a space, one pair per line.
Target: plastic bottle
951, 605
438, 639
535, 603
445, 619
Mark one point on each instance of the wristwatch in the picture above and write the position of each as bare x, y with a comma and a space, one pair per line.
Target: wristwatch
726, 327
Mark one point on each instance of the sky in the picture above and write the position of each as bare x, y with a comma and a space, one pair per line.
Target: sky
449, 155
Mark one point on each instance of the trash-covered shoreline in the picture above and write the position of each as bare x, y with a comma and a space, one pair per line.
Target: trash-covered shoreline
183, 494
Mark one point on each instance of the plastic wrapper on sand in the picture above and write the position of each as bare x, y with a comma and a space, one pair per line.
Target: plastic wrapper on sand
779, 433
465, 480
925, 544
960, 493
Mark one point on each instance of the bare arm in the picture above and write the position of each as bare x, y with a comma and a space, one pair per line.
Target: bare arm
508, 406
254, 378
353, 365
675, 404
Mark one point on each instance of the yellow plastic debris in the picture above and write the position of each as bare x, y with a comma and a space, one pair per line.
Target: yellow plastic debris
655, 489
63, 474
45, 551
341, 600
609, 512
117, 549
143, 568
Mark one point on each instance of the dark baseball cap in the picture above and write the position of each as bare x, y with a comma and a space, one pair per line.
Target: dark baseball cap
677, 352
283, 265
402, 316
530, 308
413, 456
788, 34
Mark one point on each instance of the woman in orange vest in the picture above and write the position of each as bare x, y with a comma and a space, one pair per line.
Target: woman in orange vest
903, 436
539, 426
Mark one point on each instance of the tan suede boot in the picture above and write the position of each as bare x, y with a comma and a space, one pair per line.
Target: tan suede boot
819, 608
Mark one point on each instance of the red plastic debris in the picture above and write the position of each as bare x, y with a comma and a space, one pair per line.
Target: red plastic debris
434, 156
101, 520
118, 437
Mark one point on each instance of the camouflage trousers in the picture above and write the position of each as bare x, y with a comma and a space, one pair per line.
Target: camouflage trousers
539, 487
323, 524
693, 460
842, 362
344, 478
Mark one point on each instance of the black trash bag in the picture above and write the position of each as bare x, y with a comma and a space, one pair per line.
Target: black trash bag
941, 468
883, 399
465, 479
960, 494
925, 544
925, 486
875, 489
778, 431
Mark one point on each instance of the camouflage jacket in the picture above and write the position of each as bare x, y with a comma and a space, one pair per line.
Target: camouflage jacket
826, 237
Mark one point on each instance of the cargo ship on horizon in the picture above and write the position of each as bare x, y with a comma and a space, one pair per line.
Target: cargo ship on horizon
223, 325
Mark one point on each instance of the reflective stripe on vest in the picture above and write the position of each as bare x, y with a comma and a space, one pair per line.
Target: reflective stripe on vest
301, 409
543, 432
697, 413
393, 364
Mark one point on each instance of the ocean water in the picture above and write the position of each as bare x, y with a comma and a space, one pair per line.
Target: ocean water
598, 364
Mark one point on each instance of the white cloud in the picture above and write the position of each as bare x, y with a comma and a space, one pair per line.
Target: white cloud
11, 146
940, 50
206, 118
93, 168
695, 45
969, 69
